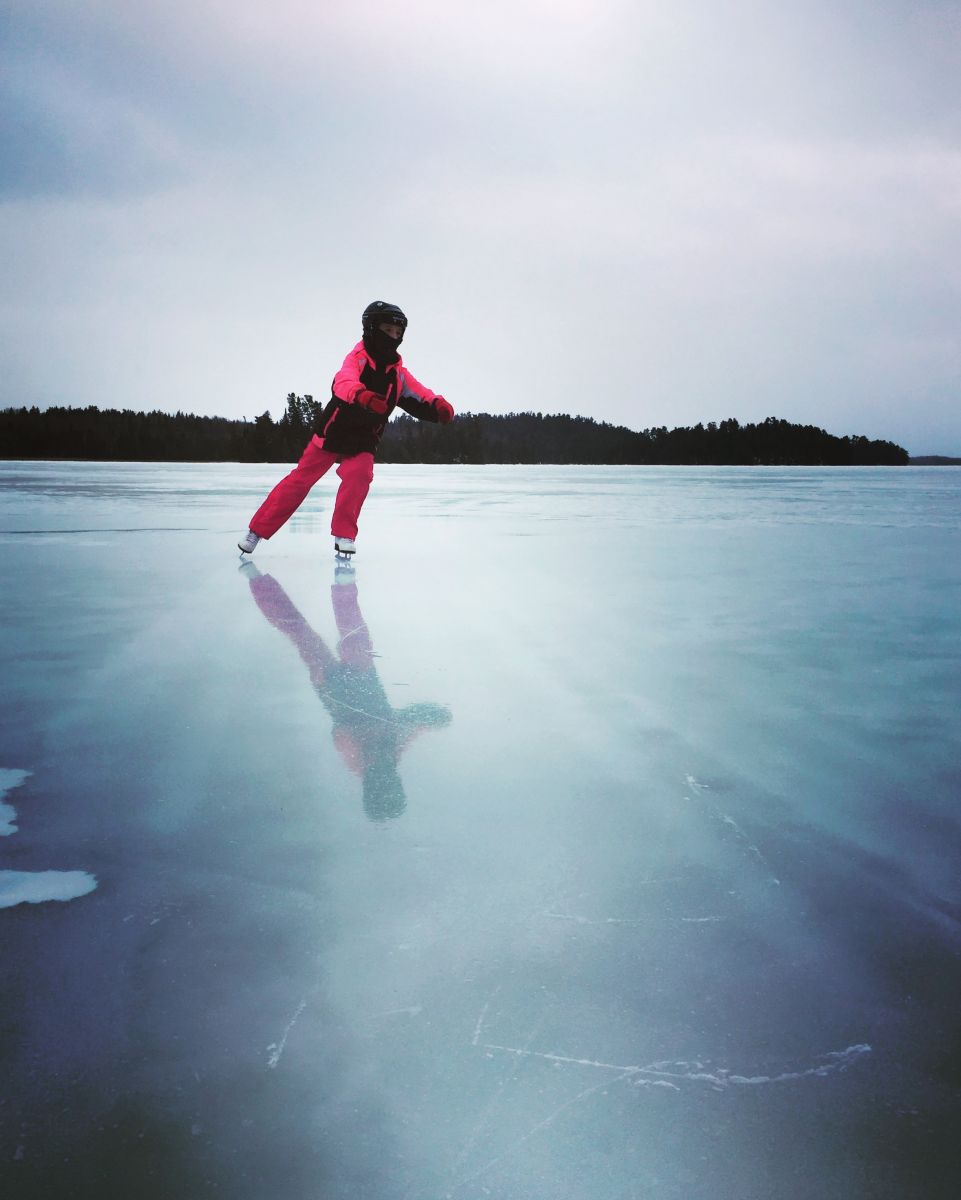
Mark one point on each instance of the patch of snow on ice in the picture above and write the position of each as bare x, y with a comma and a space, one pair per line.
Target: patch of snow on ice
9, 779
36, 887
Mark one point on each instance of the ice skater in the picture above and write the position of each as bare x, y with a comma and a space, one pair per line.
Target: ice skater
366, 390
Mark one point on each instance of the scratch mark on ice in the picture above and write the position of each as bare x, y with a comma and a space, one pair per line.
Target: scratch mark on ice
483, 1014
739, 834
570, 917
492, 1104
276, 1049
560, 1058
360, 711
697, 1072
576, 919
547, 1121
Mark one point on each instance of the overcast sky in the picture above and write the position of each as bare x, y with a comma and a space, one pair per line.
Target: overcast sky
648, 213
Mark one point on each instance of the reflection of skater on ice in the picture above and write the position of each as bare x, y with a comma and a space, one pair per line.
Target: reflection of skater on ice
372, 382
370, 735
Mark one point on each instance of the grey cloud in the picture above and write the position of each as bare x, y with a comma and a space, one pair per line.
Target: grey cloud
754, 203
61, 140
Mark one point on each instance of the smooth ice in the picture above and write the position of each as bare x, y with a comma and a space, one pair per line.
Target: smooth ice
597, 839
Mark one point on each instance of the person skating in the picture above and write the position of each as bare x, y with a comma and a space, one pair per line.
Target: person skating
372, 382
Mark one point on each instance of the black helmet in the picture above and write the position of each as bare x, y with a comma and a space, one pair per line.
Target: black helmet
381, 313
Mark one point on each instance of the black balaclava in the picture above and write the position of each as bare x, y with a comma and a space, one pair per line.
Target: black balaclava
381, 347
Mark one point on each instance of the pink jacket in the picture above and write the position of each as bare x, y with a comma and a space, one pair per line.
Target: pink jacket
349, 428
347, 381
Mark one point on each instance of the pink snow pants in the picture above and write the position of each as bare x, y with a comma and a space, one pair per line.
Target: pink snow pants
356, 473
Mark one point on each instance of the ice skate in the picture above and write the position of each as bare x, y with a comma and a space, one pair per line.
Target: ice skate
248, 542
344, 547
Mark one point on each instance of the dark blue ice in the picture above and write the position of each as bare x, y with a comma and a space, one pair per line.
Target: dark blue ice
597, 838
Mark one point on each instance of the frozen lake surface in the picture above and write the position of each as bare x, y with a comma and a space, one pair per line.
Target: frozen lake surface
599, 840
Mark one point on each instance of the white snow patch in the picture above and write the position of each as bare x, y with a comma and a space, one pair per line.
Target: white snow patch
10, 778
36, 887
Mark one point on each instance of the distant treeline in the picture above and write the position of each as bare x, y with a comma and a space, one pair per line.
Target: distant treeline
109, 434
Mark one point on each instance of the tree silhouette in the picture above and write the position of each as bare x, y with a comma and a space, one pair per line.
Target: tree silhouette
517, 437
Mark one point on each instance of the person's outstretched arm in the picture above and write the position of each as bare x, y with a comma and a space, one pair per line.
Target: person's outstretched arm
422, 403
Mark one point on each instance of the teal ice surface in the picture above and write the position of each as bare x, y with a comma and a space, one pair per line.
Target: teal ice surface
668, 903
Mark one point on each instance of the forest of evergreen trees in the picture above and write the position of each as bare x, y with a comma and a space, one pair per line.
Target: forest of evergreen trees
109, 434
